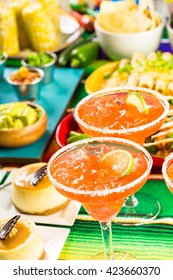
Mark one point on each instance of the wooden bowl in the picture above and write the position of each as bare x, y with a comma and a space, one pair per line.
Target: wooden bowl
13, 138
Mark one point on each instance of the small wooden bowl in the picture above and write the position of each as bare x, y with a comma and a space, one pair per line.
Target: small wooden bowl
13, 138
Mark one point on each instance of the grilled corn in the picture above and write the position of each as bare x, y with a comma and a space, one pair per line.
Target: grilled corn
39, 27
17, 6
9, 42
52, 9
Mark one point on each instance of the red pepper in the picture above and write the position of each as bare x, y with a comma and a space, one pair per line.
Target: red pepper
85, 21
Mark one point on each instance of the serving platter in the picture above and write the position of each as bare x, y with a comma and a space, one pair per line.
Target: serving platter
65, 41
154, 71
65, 217
54, 98
53, 241
70, 31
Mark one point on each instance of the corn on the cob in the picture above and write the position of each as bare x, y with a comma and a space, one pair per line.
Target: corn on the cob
53, 11
39, 28
8, 32
17, 6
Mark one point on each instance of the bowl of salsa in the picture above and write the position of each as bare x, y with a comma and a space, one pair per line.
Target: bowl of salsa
26, 82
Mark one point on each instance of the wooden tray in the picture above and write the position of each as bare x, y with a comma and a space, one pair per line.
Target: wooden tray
55, 98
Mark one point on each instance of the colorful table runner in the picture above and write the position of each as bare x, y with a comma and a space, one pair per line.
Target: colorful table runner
153, 241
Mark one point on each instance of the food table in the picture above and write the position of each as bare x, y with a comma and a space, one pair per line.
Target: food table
151, 241
72, 234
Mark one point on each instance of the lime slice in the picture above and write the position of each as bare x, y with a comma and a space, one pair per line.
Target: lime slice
136, 99
72, 133
121, 161
75, 138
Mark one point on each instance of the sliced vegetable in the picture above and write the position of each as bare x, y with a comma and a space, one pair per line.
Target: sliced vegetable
75, 136
136, 99
121, 161
39, 59
17, 115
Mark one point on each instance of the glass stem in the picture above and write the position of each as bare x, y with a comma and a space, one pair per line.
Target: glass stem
106, 231
131, 201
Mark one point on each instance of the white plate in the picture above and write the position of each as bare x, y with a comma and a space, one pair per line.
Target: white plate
70, 32
54, 240
65, 217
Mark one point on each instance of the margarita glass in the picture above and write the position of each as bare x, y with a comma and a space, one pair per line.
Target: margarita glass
109, 113
88, 171
167, 171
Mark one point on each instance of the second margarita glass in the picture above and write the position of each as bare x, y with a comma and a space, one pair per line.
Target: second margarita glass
167, 171
100, 173
133, 113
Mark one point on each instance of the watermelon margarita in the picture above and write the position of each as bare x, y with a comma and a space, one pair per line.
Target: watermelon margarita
83, 173
132, 113
112, 112
167, 171
100, 173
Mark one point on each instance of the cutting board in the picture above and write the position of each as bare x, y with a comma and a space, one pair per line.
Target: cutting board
54, 98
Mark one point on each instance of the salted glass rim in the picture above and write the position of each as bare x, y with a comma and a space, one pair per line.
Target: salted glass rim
165, 167
112, 90
79, 143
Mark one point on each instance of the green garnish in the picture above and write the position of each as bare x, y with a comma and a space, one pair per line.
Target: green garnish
1, 55
107, 75
170, 135
160, 63
136, 99
170, 101
126, 68
152, 150
75, 136
38, 59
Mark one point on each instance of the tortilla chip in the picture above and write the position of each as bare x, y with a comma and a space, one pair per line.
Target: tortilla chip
127, 17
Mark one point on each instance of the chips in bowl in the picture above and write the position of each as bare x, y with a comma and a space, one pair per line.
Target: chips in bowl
127, 17
125, 27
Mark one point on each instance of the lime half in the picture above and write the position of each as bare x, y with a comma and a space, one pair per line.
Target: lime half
136, 99
121, 161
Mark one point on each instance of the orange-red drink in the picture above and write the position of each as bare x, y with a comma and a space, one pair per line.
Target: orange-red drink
100, 173
167, 171
109, 113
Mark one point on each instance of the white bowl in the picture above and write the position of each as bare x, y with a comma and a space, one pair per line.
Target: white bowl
169, 33
123, 45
